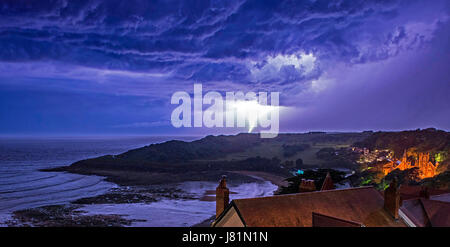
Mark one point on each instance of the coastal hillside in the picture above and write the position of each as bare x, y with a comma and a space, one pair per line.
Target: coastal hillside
433, 141
427, 140
208, 158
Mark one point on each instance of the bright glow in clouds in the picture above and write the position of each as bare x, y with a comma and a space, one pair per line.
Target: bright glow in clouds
238, 110
252, 111
302, 63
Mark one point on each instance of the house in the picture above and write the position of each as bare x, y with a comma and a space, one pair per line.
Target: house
363, 206
424, 212
425, 207
397, 206
308, 185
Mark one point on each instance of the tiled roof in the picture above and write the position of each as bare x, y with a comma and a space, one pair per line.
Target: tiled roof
327, 183
424, 212
320, 220
438, 212
414, 210
363, 205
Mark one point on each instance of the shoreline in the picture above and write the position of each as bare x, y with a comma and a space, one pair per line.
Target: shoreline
74, 213
274, 179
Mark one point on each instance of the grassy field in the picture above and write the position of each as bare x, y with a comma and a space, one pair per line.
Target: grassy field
271, 149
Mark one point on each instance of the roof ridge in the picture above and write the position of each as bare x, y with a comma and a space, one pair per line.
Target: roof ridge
434, 201
439, 195
306, 193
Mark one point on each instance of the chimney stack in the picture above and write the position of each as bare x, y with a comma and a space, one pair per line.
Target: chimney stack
392, 199
222, 196
306, 185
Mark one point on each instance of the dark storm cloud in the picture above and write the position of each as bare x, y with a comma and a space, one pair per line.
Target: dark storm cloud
314, 52
200, 40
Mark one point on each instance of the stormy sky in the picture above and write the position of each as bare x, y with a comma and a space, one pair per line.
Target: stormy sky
111, 67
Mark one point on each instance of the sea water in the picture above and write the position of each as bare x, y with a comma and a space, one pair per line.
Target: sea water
23, 186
